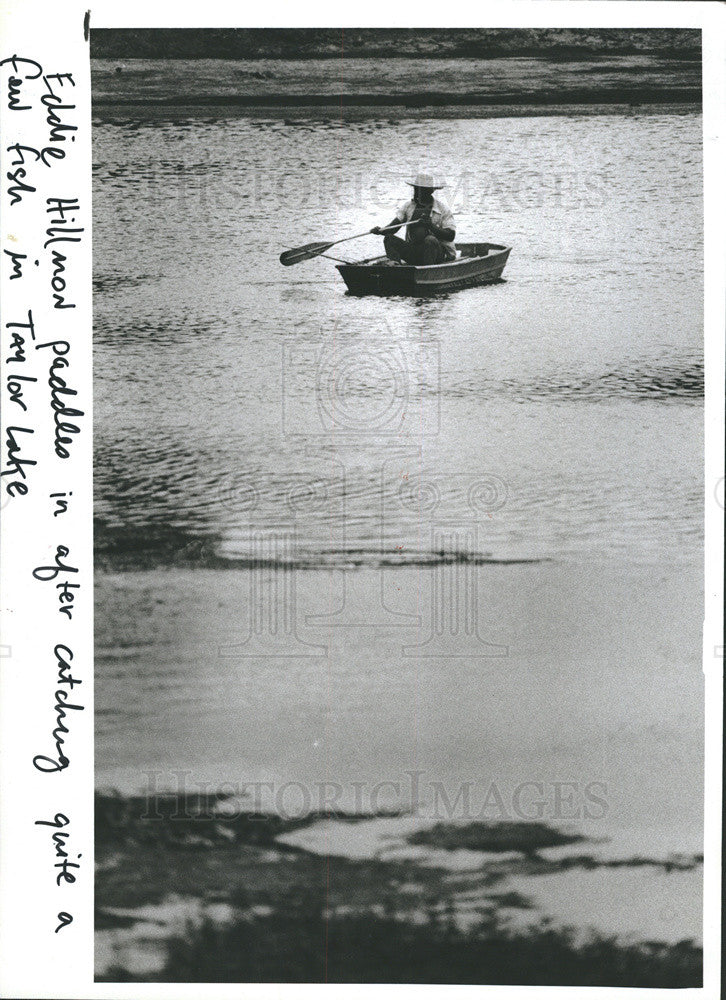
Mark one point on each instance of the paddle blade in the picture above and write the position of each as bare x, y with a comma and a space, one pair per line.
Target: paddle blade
303, 253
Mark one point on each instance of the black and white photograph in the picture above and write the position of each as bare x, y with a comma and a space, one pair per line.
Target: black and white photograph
398, 540
399, 367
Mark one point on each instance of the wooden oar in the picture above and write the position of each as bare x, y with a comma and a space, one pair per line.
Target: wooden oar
338, 260
311, 250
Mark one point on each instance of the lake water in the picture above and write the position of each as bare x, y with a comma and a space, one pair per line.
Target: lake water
231, 391
537, 443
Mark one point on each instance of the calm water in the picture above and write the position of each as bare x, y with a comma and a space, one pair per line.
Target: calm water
559, 412
546, 431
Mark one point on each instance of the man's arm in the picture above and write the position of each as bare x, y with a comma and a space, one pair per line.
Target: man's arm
446, 234
394, 222
447, 230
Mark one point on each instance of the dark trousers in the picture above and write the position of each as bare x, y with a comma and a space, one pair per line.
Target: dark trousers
425, 251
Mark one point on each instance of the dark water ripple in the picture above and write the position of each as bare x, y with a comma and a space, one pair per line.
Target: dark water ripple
665, 383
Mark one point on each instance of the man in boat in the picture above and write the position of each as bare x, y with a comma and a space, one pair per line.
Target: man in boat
430, 227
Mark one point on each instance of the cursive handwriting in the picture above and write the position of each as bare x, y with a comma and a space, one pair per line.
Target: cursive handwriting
15, 387
17, 344
52, 102
59, 388
60, 842
20, 186
58, 232
14, 463
15, 82
48, 573
60, 762
17, 261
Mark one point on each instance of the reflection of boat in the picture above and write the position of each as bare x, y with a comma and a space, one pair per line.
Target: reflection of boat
478, 264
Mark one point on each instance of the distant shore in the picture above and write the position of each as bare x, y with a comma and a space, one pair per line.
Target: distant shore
430, 101
387, 43
302, 112
400, 87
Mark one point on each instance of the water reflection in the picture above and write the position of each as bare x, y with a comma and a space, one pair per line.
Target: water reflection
577, 381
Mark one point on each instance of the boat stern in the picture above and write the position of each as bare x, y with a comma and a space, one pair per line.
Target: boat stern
378, 279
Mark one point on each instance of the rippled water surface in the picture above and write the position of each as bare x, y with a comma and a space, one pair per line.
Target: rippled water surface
523, 459
559, 411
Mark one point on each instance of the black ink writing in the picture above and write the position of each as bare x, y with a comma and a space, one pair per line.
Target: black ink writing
15, 82
60, 842
58, 282
61, 505
59, 229
14, 463
49, 573
19, 187
17, 259
17, 344
52, 102
15, 388
60, 762
59, 388
48, 152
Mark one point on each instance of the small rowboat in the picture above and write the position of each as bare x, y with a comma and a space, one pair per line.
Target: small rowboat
477, 264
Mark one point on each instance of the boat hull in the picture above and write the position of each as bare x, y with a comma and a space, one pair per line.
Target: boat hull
479, 264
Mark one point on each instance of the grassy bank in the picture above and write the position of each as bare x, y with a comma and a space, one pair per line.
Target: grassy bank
301, 943
317, 43
408, 83
295, 916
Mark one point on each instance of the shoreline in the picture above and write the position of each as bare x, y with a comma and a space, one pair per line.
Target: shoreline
479, 887
478, 85
420, 99
403, 42
362, 107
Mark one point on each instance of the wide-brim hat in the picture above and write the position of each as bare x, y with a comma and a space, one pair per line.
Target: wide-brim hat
426, 181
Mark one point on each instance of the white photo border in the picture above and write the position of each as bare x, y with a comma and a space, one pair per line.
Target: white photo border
34, 961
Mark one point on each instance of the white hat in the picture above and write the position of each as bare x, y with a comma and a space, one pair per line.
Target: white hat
425, 181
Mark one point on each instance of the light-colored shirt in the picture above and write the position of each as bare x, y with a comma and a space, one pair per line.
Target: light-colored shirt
441, 216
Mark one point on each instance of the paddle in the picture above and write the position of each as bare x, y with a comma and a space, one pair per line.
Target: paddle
338, 260
311, 250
